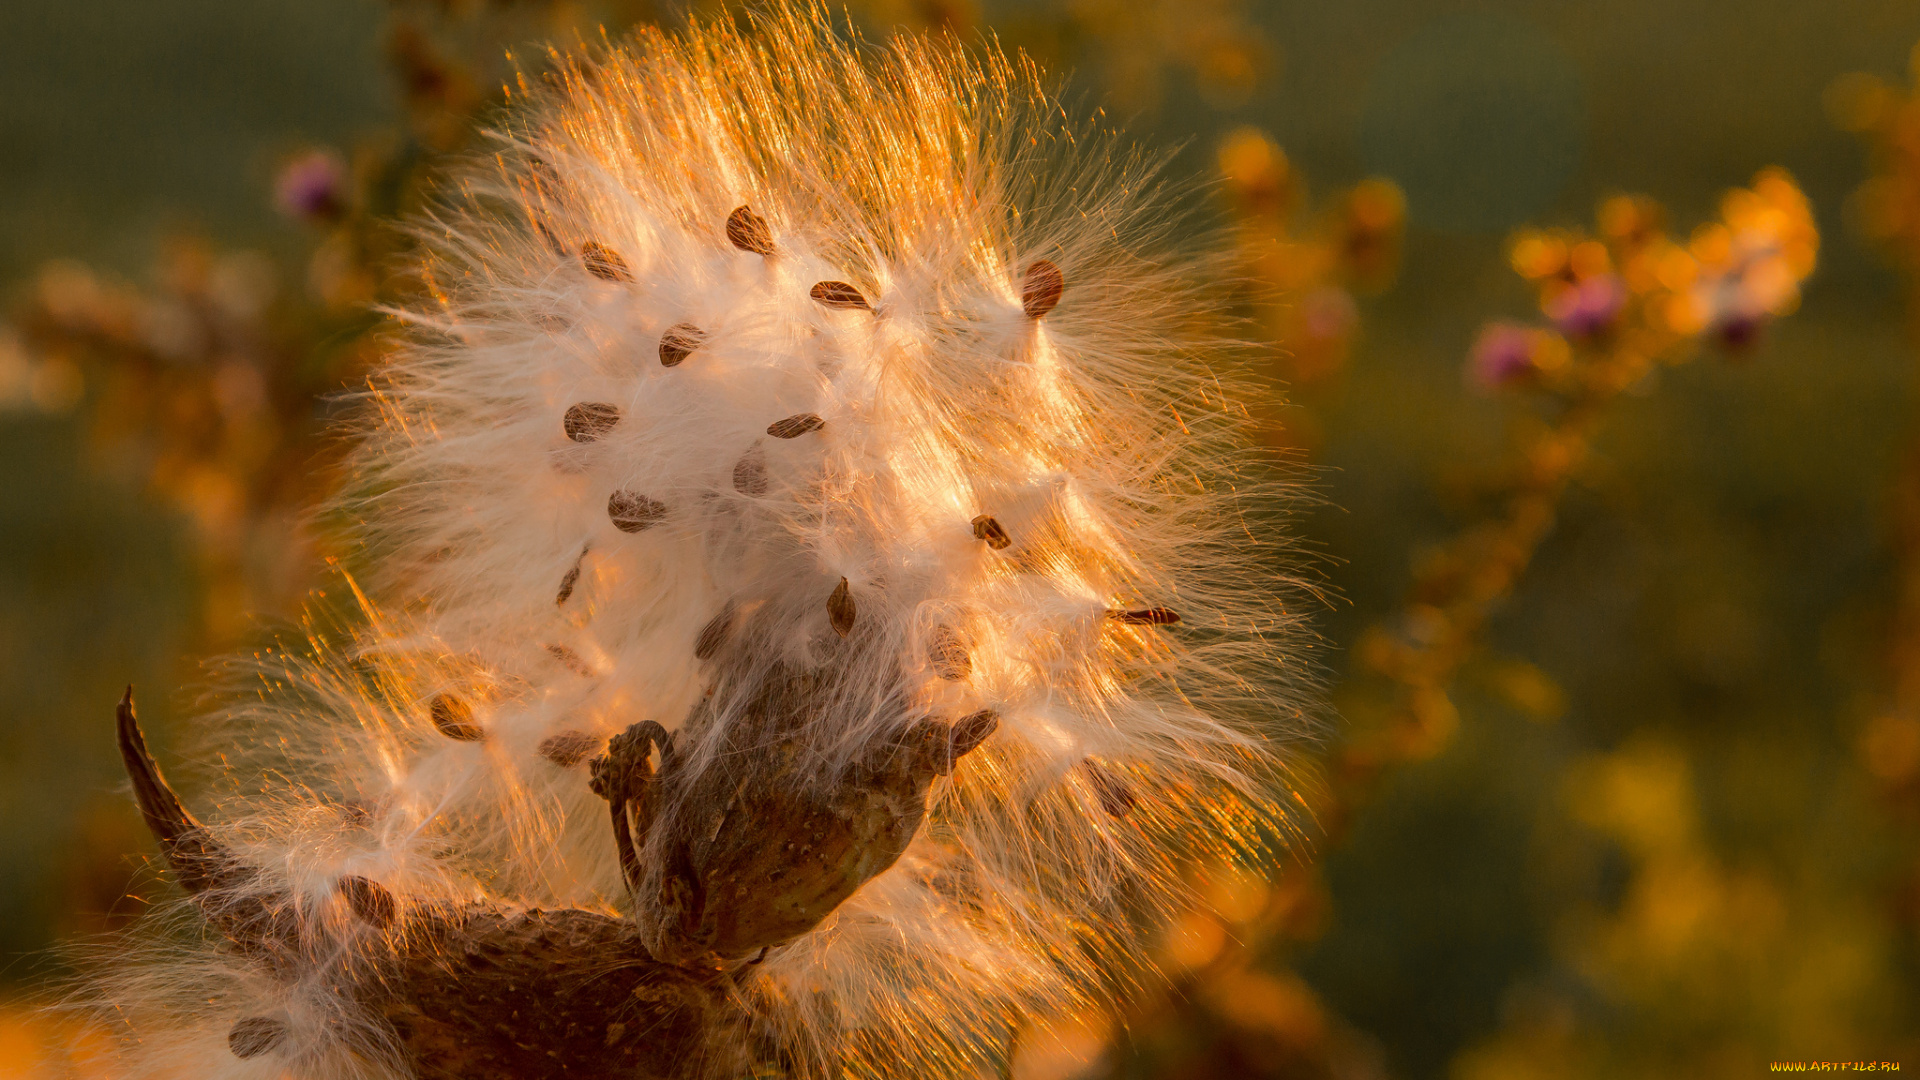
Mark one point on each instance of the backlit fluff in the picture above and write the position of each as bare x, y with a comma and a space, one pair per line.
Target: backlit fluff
755, 350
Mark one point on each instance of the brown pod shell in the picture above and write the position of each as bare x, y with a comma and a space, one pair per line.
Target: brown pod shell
256, 1035
589, 420
714, 634
679, 342
838, 294
568, 748
603, 262
1040, 289
1153, 616
795, 426
750, 472
987, 528
841, 609
370, 901
632, 512
966, 735
453, 717
748, 231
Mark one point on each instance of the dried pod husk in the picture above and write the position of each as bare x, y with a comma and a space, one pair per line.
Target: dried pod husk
841, 609
453, 717
603, 262
714, 634
256, 1035
632, 512
1153, 616
750, 472
838, 294
589, 420
795, 426
989, 529
679, 342
369, 900
748, 231
948, 655
568, 748
1040, 289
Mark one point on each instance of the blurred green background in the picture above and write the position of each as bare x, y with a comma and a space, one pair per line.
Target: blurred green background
1696, 866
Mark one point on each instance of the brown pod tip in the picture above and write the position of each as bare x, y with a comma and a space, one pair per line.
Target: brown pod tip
1153, 616
632, 512
603, 262
838, 294
371, 901
453, 717
1040, 290
987, 528
256, 1035
589, 420
679, 342
947, 654
748, 231
568, 748
795, 426
750, 472
968, 733
714, 634
841, 609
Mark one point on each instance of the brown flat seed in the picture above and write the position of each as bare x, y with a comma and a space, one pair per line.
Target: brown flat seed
1153, 616
748, 231
714, 634
1040, 290
679, 342
453, 718
1116, 797
838, 294
947, 654
589, 420
750, 472
568, 748
603, 262
256, 1035
633, 512
795, 426
371, 902
568, 582
990, 530
570, 660
841, 609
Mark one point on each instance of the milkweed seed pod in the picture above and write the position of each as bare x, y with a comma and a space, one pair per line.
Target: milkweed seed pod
819, 604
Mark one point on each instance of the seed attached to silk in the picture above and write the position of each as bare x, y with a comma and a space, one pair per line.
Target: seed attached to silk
603, 262
589, 420
840, 609
795, 426
1115, 795
632, 512
256, 1035
1040, 291
990, 530
371, 902
714, 634
453, 718
750, 472
679, 342
947, 654
748, 231
570, 660
568, 748
568, 582
1153, 616
839, 294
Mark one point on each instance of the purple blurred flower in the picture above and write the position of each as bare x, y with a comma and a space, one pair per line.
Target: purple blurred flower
1503, 355
311, 187
1587, 308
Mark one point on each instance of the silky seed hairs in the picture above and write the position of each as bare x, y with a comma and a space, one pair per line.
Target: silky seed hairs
811, 548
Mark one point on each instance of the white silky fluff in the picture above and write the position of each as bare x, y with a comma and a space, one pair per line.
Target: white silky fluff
1103, 436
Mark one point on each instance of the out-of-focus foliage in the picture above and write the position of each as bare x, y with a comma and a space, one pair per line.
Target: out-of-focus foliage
1626, 777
